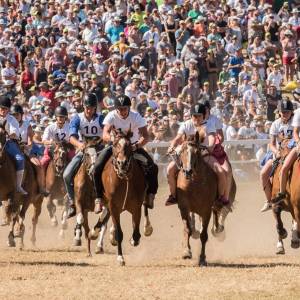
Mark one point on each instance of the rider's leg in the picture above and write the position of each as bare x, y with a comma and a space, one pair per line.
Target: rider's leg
68, 177
283, 178
172, 172
151, 177
41, 176
266, 184
228, 176
14, 151
213, 163
102, 159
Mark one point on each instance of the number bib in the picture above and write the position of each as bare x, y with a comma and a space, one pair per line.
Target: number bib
91, 128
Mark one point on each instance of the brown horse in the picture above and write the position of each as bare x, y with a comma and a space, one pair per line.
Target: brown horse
125, 189
54, 179
85, 196
291, 203
197, 192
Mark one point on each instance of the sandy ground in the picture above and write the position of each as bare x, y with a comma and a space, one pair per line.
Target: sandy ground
244, 266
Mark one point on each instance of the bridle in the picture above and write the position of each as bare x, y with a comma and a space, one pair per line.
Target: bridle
59, 159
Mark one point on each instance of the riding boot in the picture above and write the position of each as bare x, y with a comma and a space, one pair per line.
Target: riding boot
71, 208
98, 205
149, 201
20, 175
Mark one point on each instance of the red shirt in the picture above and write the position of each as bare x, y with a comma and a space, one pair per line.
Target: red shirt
49, 95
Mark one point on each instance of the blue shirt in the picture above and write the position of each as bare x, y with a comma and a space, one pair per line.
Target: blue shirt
113, 33
234, 72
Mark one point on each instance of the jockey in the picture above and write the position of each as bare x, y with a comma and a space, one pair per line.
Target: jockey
85, 124
189, 128
125, 119
55, 132
290, 158
280, 129
12, 148
26, 138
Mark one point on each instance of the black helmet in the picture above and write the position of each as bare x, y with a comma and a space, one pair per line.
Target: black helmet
198, 109
286, 105
60, 111
90, 100
17, 109
5, 102
122, 100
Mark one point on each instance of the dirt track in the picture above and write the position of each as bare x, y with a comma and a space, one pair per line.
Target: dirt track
244, 266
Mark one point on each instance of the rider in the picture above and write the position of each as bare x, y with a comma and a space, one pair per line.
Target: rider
189, 128
55, 132
26, 138
85, 124
12, 148
280, 129
124, 119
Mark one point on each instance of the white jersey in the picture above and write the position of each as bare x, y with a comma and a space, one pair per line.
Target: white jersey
12, 125
296, 118
24, 131
279, 128
80, 126
134, 121
54, 133
189, 129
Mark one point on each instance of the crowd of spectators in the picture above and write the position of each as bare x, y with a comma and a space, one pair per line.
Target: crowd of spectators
165, 55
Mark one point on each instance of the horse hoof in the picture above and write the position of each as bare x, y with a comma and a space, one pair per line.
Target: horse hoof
93, 234
11, 242
112, 240
280, 251
77, 243
203, 263
54, 222
196, 234
187, 254
121, 261
133, 242
99, 250
295, 244
148, 230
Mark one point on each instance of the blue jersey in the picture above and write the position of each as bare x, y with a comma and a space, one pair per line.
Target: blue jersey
81, 127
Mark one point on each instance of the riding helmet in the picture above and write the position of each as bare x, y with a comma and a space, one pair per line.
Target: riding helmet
17, 109
122, 100
5, 102
198, 109
286, 105
60, 111
90, 100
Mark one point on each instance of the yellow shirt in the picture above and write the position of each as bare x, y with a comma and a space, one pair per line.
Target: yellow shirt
138, 17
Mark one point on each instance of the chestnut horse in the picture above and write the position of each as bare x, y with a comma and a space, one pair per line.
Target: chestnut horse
54, 180
197, 192
15, 214
291, 203
125, 189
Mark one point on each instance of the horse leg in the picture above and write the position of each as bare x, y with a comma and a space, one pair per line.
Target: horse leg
203, 238
103, 219
148, 229
282, 233
37, 208
51, 211
112, 235
187, 232
195, 232
136, 235
99, 247
77, 230
86, 232
11, 238
295, 242
119, 238
64, 223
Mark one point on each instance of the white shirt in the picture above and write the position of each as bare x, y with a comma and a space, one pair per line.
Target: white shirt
231, 133
134, 121
24, 131
296, 118
278, 127
54, 133
276, 79
12, 125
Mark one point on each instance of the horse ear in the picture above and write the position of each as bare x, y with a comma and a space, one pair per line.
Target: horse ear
197, 137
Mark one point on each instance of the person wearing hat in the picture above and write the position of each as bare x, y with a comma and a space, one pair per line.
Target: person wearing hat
181, 35
281, 129
11, 147
86, 124
189, 128
126, 120
289, 46
113, 31
151, 35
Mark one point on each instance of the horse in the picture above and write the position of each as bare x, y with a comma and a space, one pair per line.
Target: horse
125, 189
85, 196
17, 205
197, 192
292, 202
54, 180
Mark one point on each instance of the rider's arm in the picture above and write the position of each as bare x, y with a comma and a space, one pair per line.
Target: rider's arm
175, 142
144, 137
106, 133
296, 134
73, 131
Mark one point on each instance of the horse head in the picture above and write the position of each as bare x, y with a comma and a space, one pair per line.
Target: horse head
60, 157
122, 152
3, 137
189, 155
90, 152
